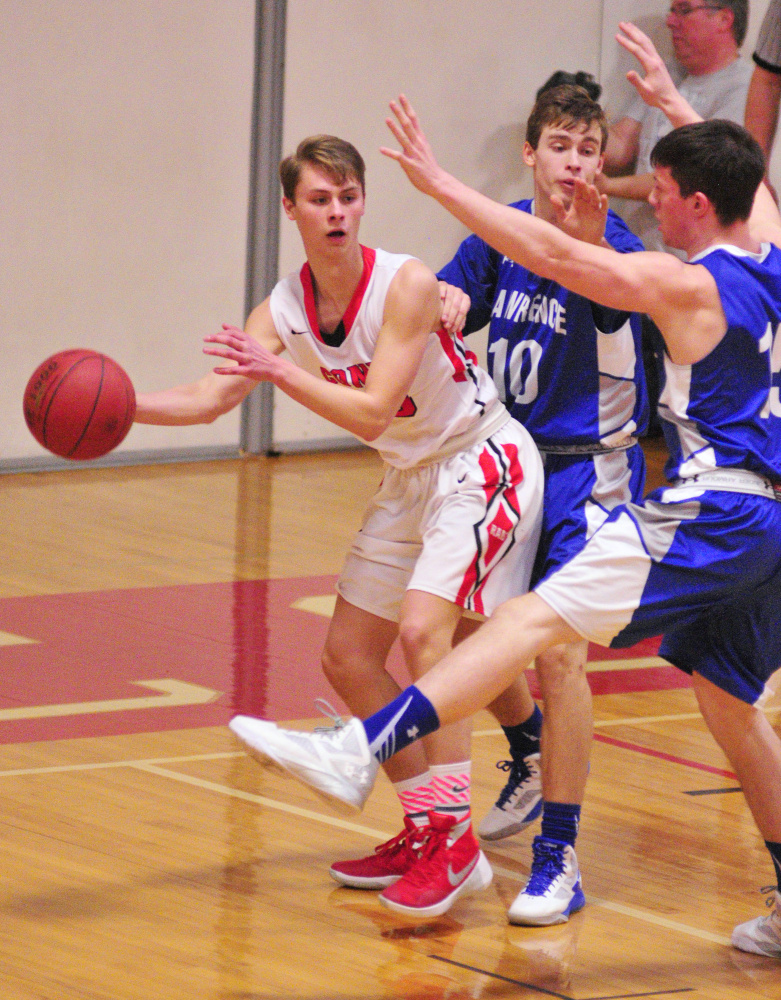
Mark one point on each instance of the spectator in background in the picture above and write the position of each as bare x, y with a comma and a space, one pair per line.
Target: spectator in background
706, 37
764, 92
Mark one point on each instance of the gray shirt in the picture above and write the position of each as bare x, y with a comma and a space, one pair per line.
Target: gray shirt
713, 95
768, 51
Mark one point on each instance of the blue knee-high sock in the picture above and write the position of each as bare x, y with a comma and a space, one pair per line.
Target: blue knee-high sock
775, 854
400, 723
560, 821
524, 739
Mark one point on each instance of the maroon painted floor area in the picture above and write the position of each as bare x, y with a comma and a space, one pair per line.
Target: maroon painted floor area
241, 639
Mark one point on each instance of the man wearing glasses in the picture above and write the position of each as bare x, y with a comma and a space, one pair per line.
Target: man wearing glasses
706, 37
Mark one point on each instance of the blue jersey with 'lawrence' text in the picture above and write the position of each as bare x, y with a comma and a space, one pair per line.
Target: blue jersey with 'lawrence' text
568, 369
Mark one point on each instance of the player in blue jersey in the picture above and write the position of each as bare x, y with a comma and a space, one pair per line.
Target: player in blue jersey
699, 561
570, 371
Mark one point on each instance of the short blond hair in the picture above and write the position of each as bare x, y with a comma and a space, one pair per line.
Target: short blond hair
336, 157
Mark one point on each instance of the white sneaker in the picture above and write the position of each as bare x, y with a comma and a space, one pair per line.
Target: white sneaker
519, 802
762, 935
553, 891
335, 761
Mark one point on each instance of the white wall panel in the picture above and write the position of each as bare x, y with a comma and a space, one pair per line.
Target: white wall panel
125, 166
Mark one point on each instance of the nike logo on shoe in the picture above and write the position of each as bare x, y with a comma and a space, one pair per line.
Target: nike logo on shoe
456, 878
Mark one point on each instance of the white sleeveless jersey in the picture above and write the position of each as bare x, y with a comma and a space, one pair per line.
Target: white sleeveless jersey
452, 403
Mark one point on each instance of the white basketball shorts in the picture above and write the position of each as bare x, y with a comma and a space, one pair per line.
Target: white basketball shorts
465, 529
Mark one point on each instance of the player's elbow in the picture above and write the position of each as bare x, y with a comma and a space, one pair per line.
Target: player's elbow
375, 428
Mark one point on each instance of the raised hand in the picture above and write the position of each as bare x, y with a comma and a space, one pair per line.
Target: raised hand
250, 358
415, 158
657, 86
586, 215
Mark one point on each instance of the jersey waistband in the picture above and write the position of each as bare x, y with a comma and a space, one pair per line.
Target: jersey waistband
734, 481
585, 449
495, 417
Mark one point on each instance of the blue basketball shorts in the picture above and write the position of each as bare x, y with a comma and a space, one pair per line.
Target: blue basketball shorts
580, 491
700, 566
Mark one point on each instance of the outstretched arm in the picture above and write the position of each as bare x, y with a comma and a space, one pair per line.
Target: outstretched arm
671, 292
592, 271
412, 310
203, 401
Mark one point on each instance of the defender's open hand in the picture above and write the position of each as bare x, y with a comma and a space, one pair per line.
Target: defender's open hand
455, 307
587, 214
657, 86
415, 158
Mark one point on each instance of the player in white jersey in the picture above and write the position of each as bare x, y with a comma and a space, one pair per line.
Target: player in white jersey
699, 561
455, 523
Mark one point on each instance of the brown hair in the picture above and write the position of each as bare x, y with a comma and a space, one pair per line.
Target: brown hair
566, 105
336, 157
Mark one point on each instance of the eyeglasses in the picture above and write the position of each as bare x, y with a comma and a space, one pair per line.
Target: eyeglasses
681, 10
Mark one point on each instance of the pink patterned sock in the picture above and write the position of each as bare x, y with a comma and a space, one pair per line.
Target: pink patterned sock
451, 785
417, 797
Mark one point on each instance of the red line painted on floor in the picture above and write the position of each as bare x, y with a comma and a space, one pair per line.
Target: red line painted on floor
661, 755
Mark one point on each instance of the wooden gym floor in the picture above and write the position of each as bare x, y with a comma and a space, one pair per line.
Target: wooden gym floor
145, 856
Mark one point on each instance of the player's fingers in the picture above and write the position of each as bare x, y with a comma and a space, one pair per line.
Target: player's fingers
405, 114
399, 134
394, 154
409, 110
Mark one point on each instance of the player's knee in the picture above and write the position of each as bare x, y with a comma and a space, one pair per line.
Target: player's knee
423, 642
340, 669
559, 668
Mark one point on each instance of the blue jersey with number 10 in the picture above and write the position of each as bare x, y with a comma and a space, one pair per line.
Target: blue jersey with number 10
568, 369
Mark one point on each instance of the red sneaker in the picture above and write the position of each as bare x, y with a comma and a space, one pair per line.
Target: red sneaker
450, 865
387, 864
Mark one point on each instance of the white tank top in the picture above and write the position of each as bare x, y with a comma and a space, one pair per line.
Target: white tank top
452, 403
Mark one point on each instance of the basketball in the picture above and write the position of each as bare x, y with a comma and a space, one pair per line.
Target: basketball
79, 404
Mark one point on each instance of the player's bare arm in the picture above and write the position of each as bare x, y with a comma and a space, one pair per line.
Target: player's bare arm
412, 310
202, 402
622, 145
654, 283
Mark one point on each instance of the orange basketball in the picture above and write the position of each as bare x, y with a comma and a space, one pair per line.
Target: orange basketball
79, 404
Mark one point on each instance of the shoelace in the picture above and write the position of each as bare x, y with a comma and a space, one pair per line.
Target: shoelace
411, 841
519, 772
328, 709
548, 863
770, 892
419, 874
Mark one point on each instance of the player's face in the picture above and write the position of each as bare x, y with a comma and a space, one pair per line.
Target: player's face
562, 154
327, 212
671, 209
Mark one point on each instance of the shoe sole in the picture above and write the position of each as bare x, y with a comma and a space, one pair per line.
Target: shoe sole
481, 877
753, 947
510, 831
355, 882
576, 904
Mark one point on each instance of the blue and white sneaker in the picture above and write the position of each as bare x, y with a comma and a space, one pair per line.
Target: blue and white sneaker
519, 802
553, 891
